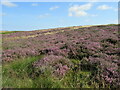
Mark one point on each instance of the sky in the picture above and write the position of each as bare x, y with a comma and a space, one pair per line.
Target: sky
27, 16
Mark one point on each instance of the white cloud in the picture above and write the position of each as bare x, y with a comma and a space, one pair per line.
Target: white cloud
8, 4
79, 10
44, 15
34, 4
53, 8
80, 7
104, 7
81, 13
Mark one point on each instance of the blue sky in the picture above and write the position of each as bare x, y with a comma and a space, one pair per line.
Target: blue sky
25, 16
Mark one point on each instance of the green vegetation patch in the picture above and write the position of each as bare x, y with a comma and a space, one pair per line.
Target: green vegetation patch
8, 32
15, 74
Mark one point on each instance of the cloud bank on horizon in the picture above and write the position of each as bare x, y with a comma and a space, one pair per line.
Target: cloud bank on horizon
43, 15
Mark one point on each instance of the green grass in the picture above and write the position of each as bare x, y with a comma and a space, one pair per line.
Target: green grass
8, 32
15, 74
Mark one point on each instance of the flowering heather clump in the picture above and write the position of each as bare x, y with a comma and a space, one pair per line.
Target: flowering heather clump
58, 65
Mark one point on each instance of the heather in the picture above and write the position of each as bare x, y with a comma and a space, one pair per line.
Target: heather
75, 57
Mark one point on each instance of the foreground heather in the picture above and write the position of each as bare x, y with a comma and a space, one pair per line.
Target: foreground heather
73, 57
